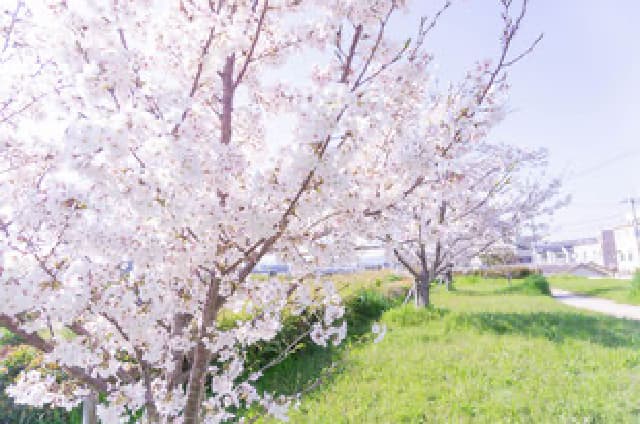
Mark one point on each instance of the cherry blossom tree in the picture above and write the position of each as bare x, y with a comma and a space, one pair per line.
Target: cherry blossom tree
493, 205
141, 182
442, 193
481, 198
143, 178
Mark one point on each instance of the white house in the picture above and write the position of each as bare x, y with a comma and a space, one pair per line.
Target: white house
588, 251
554, 253
626, 243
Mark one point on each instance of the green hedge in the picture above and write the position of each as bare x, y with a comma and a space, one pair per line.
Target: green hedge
536, 284
503, 272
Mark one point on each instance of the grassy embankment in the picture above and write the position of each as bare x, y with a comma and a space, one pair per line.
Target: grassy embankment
620, 291
486, 353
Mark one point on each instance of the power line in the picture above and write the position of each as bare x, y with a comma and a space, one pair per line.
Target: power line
603, 164
604, 203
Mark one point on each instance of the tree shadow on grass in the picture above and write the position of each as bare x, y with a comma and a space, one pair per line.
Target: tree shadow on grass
557, 326
517, 289
303, 371
312, 365
467, 292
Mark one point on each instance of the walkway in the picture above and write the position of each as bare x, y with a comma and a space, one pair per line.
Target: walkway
597, 304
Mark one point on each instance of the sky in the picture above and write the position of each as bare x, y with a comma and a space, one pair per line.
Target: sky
577, 94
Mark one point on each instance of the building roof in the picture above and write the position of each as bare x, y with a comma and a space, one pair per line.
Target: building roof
585, 241
559, 246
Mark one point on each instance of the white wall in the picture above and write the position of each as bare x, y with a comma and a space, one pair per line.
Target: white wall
588, 253
626, 249
551, 258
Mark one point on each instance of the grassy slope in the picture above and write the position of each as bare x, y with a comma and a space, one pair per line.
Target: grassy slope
617, 290
490, 356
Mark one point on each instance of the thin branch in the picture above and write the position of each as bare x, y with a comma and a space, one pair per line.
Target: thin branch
339, 52
247, 254
352, 51
384, 66
494, 190
33, 339
283, 222
424, 29
283, 355
196, 79
510, 31
524, 53
9, 31
376, 45
406, 264
253, 44
33, 101
142, 364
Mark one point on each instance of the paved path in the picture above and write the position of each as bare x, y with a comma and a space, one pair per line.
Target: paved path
605, 306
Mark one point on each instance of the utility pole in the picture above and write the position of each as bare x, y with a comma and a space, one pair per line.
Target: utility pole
636, 232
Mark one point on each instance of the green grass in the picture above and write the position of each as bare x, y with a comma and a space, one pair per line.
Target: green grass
386, 282
487, 353
608, 288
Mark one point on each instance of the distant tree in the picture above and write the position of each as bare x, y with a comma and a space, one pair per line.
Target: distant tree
453, 194
498, 256
476, 209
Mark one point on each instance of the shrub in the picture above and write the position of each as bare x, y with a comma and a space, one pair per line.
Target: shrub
7, 338
503, 272
366, 306
536, 284
394, 277
361, 309
261, 353
16, 359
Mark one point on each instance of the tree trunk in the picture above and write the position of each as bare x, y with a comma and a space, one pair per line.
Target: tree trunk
153, 416
201, 358
180, 322
228, 89
449, 277
89, 410
422, 291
